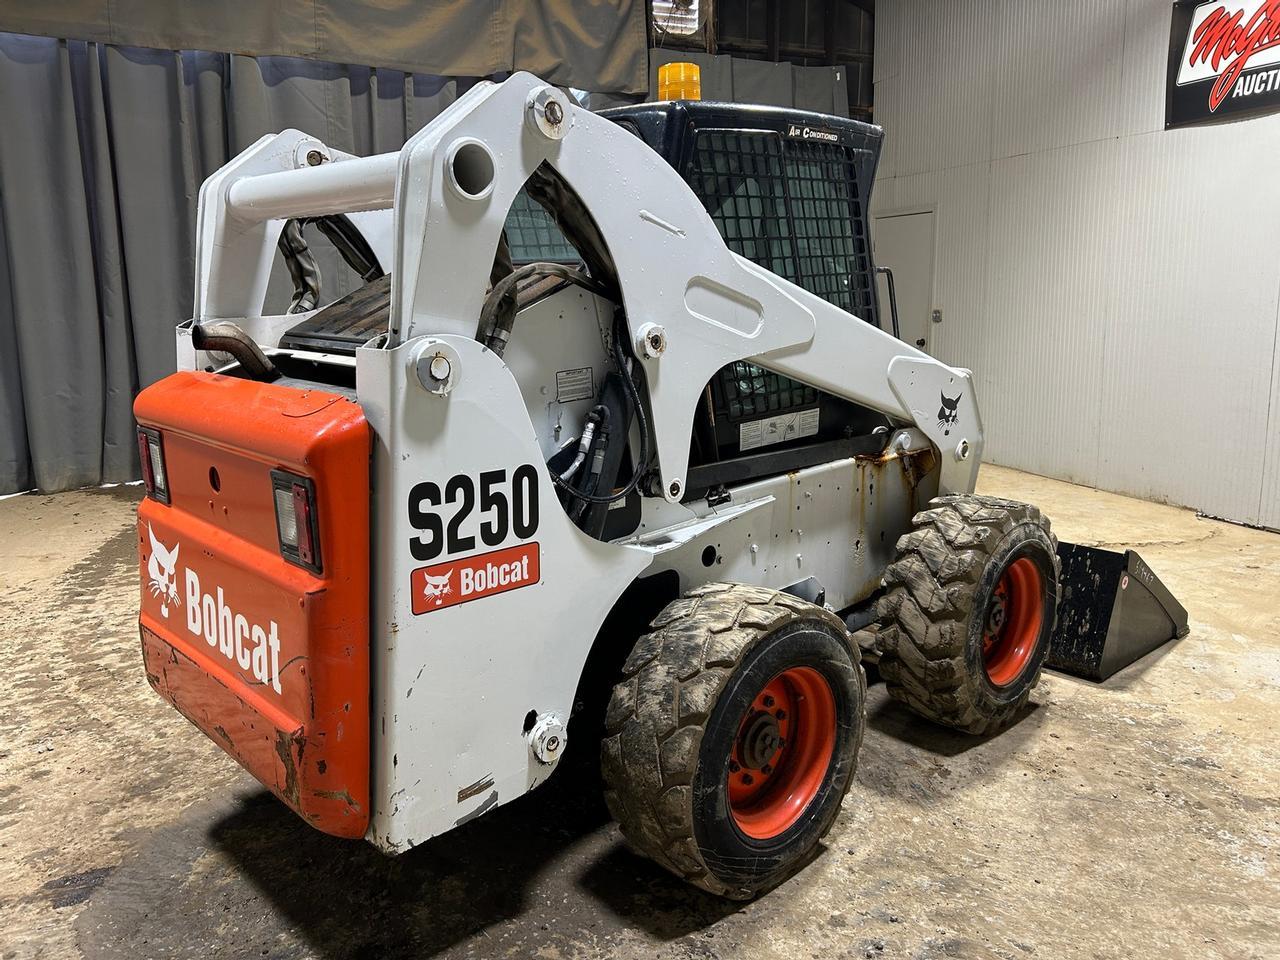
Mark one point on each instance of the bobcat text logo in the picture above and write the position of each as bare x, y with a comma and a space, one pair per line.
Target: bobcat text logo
245, 644
948, 413
448, 584
437, 588
230, 633
161, 569
1227, 38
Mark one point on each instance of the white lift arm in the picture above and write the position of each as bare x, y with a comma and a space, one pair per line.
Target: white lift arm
450, 188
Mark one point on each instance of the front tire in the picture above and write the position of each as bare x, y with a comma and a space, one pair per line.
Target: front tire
969, 611
733, 736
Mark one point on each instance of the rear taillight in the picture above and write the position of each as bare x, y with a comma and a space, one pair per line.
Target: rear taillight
296, 522
151, 454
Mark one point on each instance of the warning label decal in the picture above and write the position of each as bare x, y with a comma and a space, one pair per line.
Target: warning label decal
575, 384
777, 429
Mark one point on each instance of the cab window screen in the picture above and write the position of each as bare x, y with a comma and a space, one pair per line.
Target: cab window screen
791, 206
533, 236
750, 391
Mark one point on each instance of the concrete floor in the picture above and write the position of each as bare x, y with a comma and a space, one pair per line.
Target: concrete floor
1135, 819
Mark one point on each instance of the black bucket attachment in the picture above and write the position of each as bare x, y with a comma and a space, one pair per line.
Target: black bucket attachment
1113, 610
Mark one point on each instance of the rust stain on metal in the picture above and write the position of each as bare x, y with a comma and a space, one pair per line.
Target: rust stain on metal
914, 464
479, 787
341, 795
918, 464
489, 802
284, 750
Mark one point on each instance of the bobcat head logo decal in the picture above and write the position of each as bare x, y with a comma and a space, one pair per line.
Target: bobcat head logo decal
438, 588
947, 413
162, 568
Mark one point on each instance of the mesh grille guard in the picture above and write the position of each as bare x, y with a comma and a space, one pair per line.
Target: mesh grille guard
787, 189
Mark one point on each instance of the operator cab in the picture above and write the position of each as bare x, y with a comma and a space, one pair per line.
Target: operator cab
787, 189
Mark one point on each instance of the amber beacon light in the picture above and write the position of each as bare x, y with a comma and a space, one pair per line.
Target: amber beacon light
679, 81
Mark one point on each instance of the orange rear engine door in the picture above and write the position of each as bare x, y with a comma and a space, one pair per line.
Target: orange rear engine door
268, 657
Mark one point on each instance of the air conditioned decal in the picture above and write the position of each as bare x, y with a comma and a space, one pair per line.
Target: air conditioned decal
798, 131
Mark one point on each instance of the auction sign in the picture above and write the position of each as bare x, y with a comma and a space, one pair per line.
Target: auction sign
1224, 60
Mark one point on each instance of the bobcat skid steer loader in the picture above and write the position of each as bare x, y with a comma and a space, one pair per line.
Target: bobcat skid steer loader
671, 480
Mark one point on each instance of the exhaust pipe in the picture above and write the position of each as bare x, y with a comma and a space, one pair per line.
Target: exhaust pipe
227, 337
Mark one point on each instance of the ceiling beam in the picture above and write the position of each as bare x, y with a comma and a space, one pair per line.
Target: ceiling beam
773, 29
829, 31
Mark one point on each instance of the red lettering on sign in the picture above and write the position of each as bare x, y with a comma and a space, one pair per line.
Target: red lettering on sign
1223, 38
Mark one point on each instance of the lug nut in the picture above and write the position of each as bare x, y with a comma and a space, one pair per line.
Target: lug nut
733, 766
768, 700
781, 715
748, 779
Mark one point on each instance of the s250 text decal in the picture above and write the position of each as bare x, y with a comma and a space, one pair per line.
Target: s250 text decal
449, 517
452, 517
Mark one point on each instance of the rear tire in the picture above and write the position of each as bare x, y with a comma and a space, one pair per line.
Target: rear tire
733, 736
969, 612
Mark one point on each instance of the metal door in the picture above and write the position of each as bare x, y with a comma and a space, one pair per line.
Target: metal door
904, 244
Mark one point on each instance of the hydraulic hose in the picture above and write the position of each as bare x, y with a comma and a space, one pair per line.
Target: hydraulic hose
494, 330
642, 463
303, 269
584, 444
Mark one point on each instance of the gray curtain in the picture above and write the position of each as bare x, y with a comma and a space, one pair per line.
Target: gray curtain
102, 152
594, 46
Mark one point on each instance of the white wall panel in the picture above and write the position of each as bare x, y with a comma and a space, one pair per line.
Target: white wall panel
945, 91
1146, 57
1193, 292
888, 42
1068, 55
1040, 348
1269, 501
1115, 287
960, 254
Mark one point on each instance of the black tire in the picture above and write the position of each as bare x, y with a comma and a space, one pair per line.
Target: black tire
940, 602
675, 718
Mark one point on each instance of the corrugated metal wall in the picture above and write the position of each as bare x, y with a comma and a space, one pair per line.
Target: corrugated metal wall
1114, 286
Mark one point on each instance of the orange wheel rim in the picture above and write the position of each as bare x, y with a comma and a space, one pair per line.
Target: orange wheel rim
1013, 622
782, 751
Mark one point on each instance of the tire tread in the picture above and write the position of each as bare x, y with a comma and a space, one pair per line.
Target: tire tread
649, 753
928, 602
